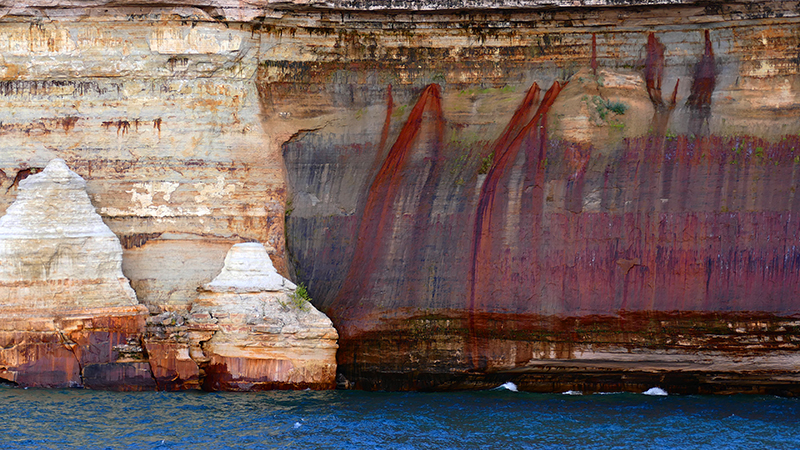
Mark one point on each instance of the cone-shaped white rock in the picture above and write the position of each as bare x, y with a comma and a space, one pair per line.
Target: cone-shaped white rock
261, 334
249, 269
55, 251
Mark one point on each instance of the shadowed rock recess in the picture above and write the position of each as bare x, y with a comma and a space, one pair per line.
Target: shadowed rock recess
582, 195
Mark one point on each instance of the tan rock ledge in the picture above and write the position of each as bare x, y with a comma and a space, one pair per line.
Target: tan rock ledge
253, 332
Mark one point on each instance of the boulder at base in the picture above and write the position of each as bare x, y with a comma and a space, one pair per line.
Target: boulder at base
254, 332
68, 316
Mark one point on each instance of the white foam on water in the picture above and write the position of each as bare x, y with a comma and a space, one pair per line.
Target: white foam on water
655, 391
572, 393
297, 425
508, 386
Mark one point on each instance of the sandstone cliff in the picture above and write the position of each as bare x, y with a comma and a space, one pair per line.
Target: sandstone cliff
69, 315
247, 330
593, 195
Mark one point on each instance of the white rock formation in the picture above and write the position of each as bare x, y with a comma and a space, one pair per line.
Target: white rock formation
55, 251
264, 335
248, 268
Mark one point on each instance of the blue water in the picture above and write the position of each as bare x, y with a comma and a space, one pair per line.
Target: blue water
352, 419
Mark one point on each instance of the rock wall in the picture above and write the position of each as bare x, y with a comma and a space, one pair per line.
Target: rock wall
158, 111
572, 195
69, 317
248, 330
588, 199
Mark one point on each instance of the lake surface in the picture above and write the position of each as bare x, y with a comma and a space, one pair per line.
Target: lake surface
58, 419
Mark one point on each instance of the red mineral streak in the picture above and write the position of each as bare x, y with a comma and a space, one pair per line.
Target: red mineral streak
653, 75
594, 54
384, 206
705, 80
532, 137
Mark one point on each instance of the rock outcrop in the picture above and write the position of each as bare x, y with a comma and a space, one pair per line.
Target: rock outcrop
590, 195
535, 196
250, 330
69, 316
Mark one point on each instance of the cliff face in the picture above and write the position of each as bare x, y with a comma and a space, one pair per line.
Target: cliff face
70, 317
589, 199
162, 119
568, 195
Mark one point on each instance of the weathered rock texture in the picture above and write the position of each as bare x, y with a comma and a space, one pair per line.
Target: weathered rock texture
158, 110
591, 199
69, 316
248, 330
587, 195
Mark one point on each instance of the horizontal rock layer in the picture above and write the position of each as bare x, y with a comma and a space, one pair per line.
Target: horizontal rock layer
260, 332
525, 170
556, 175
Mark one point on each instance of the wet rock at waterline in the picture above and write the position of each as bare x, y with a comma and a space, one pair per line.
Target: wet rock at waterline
249, 329
68, 316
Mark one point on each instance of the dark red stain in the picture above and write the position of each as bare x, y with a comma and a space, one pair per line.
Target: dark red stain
705, 80
521, 117
692, 225
381, 148
22, 174
653, 76
413, 158
532, 137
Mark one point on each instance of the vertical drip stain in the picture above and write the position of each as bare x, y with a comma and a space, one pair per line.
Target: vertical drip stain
705, 80
533, 134
653, 76
521, 116
380, 150
594, 54
379, 216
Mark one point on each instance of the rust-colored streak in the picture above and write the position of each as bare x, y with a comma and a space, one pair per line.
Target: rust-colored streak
654, 69
383, 207
505, 155
518, 120
22, 174
594, 54
653, 76
705, 80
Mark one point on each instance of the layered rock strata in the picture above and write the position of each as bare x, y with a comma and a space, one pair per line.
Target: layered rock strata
158, 110
588, 199
69, 315
250, 330
571, 195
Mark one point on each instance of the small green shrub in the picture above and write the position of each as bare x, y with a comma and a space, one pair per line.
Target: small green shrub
486, 164
300, 298
617, 107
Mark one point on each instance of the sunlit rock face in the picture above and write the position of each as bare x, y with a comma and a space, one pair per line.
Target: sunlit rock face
156, 108
69, 315
51, 237
248, 330
588, 195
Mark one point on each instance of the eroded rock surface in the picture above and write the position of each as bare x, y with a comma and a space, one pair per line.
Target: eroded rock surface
483, 192
249, 330
69, 316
